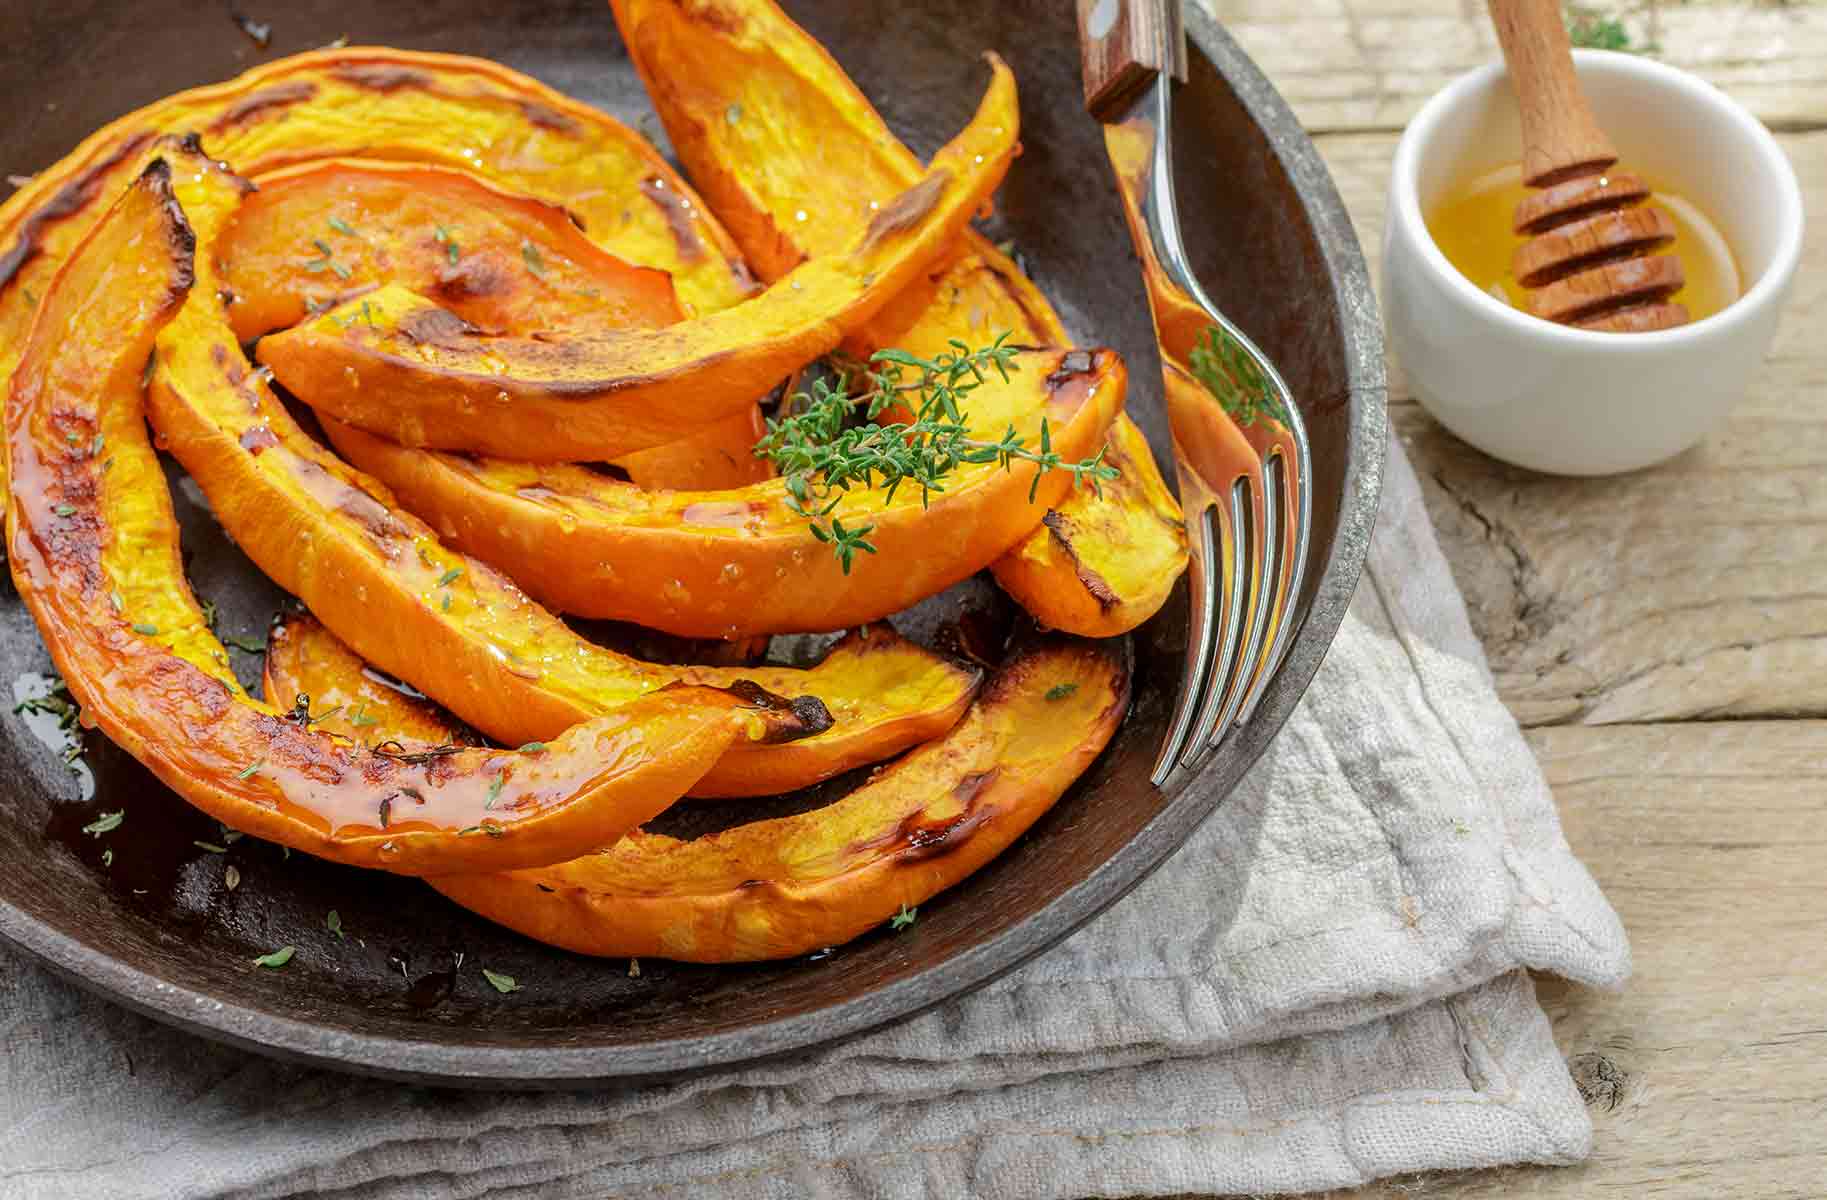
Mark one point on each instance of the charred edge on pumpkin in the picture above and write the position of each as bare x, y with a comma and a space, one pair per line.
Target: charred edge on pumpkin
546, 117
906, 210
920, 840
72, 198
678, 217
1007, 274
381, 77
435, 327
279, 95
1094, 583
474, 276
786, 720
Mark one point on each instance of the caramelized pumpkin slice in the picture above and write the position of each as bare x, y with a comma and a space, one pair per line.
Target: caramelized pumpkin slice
331, 230
794, 159
306, 663
779, 888
450, 625
741, 561
397, 364
93, 548
321, 232
398, 105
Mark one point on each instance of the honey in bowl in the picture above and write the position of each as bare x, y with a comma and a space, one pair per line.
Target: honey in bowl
1472, 227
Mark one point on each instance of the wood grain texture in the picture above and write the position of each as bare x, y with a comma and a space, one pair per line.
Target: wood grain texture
1350, 65
1691, 591
1707, 1076
1123, 45
1561, 138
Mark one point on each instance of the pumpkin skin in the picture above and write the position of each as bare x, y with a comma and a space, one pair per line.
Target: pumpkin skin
789, 886
452, 626
93, 550
400, 365
795, 175
741, 561
407, 107
335, 228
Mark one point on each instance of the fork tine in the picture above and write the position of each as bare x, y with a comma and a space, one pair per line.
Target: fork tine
1272, 601
1258, 525
1202, 635
1219, 692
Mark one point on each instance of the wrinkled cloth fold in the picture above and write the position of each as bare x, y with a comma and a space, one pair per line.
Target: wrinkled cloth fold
1324, 986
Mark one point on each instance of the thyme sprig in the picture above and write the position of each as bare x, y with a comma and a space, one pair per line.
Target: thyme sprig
822, 453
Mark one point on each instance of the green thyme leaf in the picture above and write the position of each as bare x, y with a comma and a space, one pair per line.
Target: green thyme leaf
64, 510
277, 958
148, 630
334, 923
529, 254
211, 847
1060, 691
245, 645
903, 919
532, 747
451, 576
501, 983
341, 226
248, 771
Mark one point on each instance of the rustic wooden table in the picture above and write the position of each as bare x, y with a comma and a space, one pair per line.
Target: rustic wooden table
1662, 638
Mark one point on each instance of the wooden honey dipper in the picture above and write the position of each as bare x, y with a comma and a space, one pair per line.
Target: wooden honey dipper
1591, 260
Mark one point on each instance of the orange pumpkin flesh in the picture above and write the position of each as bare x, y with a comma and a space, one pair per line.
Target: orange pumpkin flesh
793, 158
397, 364
450, 625
306, 661
741, 561
784, 887
93, 550
334, 229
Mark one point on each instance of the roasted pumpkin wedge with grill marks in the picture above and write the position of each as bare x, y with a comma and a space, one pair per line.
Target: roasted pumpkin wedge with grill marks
402, 106
93, 549
778, 888
737, 562
1101, 563
452, 626
400, 365
324, 231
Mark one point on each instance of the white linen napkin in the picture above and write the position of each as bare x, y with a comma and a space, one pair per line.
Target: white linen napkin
1323, 986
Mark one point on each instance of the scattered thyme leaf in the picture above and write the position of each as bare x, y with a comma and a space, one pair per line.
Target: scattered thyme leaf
360, 718
532, 747
107, 858
148, 630
445, 602
231, 877
529, 254
501, 983
451, 576
245, 645
211, 847
334, 923
64, 510
494, 788
1060, 691
903, 919
341, 226
277, 958
249, 771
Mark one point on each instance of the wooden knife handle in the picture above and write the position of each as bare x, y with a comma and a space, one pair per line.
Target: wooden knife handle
1124, 44
1561, 138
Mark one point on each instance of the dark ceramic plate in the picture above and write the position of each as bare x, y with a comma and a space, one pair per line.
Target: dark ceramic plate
157, 931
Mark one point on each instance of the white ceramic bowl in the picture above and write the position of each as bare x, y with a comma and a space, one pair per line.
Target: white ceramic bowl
1572, 401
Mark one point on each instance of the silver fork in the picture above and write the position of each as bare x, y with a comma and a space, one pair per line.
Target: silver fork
1248, 509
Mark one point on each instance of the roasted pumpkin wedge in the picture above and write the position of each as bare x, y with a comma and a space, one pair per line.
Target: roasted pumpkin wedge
793, 158
398, 364
325, 231
328, 230
458, 112
741, 561
308, 665
778, 888
450, 625
93, 549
